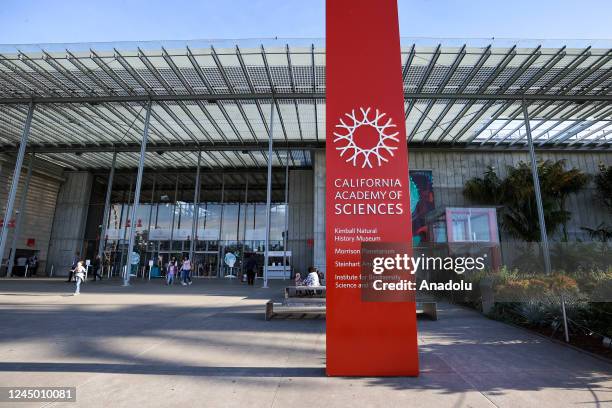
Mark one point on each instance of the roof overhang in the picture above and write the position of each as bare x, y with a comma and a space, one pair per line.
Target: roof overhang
216, 98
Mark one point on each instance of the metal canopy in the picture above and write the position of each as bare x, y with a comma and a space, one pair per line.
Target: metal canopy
215, 97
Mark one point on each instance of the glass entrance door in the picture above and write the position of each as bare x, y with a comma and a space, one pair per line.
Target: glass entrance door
206, 264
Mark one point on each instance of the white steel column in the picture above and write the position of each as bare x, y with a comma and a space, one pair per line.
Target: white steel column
220, 236
150, 218
196, 211
174, 204
106, 213
286, 229
542, 222
268, 197
143, 150
24, 196
10, 202
538, 193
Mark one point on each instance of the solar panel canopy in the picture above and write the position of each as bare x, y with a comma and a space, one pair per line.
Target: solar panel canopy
217, 97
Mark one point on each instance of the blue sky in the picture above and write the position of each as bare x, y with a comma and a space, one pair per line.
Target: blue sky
59, 21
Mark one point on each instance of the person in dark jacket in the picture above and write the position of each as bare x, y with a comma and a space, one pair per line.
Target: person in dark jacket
250, 268
96, 268
33, 265
75, 261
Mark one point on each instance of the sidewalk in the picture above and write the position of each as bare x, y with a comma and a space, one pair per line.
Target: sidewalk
208, 345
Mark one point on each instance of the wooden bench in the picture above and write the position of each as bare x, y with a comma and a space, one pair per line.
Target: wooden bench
305, 292
292, 307
310, 300
310, 307
299, 300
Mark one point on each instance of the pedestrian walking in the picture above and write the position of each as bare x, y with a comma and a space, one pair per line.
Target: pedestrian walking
251, 269
186, 272
33, 265
75, 260
171, 271
79, 276
96, 268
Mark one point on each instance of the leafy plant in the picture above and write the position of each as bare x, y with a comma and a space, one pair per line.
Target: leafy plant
601, 233
516, 195
603, 183
580, 255
534, 313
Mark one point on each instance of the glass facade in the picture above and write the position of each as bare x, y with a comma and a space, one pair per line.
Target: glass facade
229, 216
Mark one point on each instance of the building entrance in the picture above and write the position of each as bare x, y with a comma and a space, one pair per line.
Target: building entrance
228, 219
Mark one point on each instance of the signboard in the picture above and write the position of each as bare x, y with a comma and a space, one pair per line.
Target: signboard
230, 259
421, 203
208, 234
160, 234
258, 234
181, 234
279, 254
114, 233
135, 258
367, 197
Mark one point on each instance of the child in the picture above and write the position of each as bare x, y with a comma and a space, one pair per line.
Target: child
171, 272
79, 276
298, 279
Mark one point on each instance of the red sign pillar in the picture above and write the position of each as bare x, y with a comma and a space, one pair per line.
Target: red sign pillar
367, 187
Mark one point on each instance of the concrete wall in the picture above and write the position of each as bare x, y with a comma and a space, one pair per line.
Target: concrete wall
41, 197
300, 219
450, 171
70, 218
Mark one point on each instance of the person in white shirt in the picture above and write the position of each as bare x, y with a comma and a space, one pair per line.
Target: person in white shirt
186, 272
79, 276
313, 278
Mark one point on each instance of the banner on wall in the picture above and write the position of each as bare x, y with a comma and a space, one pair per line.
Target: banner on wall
421, 203
160, 234
367, 197
181, 234
114, 233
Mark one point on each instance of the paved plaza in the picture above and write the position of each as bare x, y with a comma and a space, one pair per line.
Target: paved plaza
208, 345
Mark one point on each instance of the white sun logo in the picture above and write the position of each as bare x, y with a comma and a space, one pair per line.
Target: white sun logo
366, 157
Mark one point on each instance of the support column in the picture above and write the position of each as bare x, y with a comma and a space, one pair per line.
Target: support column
319, 255
246, 213
150, 221
538, 194
127, 218
174, 202
24, 196
286, 229
220, 236
143, 150
268, 197
196, 201
109, 190
10, 202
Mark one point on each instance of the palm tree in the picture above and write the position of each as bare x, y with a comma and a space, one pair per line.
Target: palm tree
603, 182
516, 195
